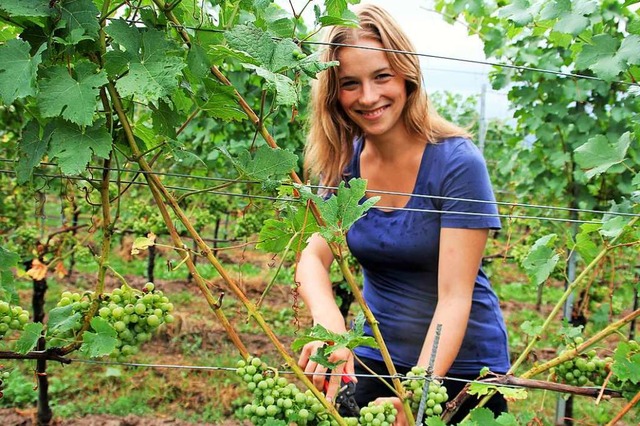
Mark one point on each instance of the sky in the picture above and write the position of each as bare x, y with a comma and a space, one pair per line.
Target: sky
431, 35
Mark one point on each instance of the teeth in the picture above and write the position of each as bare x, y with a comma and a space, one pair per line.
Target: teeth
373, 113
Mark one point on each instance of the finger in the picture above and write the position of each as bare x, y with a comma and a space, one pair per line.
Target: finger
319, 377
334, 385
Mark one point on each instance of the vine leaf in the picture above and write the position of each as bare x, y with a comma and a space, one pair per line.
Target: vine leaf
600, 57
100, 343
81, 14
585, 245
73, 145
26, 8
61, 320
17, 62
29, 337
266, 165
72, 97
509, 393
626, 363
280, 84
599, 154
520, 11
274, 56
342, 209
351, 339
152, 68
297, 225
8, 259
434, 421
143, 243
31, 148
541, 259
531, 329
221, 103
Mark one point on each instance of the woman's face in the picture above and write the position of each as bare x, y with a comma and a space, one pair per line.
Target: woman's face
371, 93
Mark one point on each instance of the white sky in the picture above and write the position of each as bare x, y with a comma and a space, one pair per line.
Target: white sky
433, 36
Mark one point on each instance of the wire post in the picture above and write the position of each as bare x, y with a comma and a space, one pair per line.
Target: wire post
427, 380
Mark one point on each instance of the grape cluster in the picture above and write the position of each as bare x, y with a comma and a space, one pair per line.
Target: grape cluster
274, 398
4, 375
377, 414
12, 318
133, 314
414, 385
582, 370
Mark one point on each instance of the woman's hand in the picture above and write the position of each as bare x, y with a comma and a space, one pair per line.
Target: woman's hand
401, 420
317, 372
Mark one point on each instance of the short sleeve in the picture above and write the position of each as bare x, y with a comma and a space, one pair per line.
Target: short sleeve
469, 200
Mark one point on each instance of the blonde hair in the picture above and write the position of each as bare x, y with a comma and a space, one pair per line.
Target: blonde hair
331, 132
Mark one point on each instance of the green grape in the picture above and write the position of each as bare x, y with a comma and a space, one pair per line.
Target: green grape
12, 318
436, 397
377, 414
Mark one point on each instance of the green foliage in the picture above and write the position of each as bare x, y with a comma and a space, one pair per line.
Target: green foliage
101, 342
18, 70
541, 259
334, 341
342, 209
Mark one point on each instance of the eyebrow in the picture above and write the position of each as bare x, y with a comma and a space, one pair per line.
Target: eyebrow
379, 70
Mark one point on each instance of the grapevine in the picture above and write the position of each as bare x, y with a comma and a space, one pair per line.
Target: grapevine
133, 314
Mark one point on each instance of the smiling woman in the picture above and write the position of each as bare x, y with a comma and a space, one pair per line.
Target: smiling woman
420, 255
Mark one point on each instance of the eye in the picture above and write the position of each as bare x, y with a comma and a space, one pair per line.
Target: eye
384, 76
348, 84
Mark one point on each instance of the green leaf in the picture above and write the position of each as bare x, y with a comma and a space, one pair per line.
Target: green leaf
600, 57
32, 148
541, 259
221, 103
511, 394
434, 421
29, 337
26, 8
72, 97
598, 154
62, 319
481, 417
311, 65
8, 259
519, 11
630, 50
531, 329
142, 243
100, 343
81, 14
274, 56
153, 73
18, 70
585, 245
573, 23
342, 209
626, 364
8, 288
292, 231
334, 341
613, 226
126, 36
282, 85
74, 146
266, 164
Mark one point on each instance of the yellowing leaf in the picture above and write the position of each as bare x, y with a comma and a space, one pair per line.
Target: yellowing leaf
38, 270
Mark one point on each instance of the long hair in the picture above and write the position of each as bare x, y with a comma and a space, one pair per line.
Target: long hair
331, 132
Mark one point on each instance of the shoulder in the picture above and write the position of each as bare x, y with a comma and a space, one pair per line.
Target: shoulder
456, 149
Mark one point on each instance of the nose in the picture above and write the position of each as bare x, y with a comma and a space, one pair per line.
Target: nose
369, 95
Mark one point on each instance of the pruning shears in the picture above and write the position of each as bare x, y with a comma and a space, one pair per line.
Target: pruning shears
345, 398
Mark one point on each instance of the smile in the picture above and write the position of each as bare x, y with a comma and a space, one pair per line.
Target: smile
373, 114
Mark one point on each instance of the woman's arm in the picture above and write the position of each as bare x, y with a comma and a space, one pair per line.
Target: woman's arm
316, 289
460, 256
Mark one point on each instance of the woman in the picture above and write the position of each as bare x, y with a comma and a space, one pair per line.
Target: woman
372, 120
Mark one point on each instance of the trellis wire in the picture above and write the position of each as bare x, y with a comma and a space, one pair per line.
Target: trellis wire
324, 187
297, 200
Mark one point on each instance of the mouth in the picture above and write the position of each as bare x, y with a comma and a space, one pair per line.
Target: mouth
374, 113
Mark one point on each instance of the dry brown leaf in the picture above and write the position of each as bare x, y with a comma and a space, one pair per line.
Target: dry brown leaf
38, 270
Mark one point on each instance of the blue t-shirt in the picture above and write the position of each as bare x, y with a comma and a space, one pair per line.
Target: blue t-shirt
399, 250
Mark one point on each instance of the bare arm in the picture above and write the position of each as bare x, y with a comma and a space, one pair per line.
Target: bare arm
312, 274
460, 256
